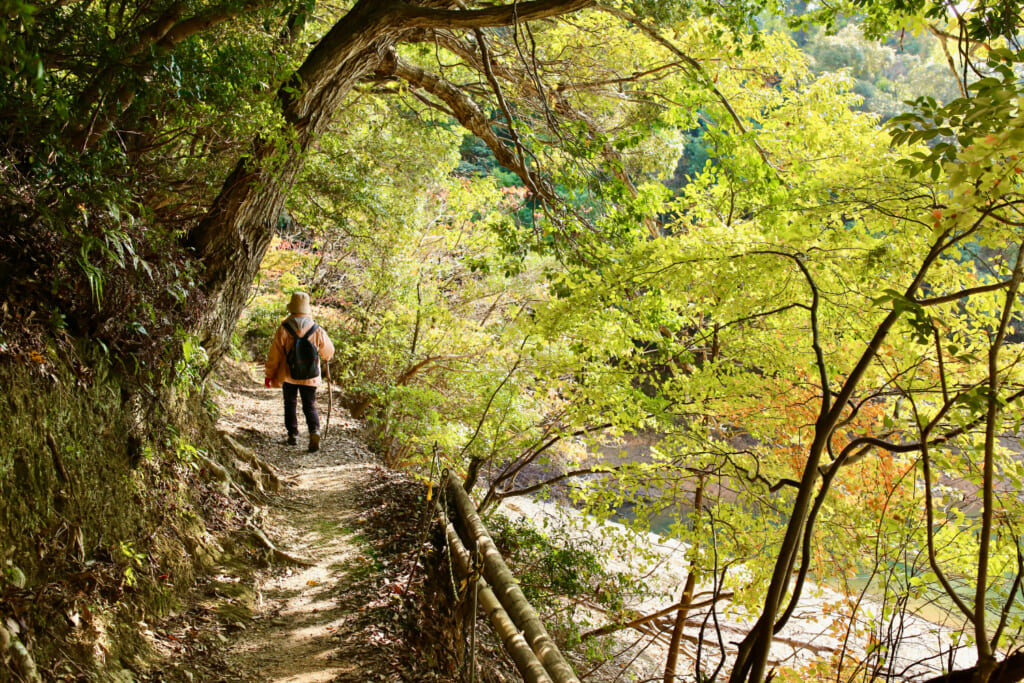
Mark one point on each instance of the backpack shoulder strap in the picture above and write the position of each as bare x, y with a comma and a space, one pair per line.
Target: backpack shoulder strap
311, 330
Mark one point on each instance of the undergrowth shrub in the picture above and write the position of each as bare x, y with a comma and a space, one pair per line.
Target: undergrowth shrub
93, 263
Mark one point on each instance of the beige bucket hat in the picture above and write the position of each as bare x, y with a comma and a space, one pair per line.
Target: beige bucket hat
299, 305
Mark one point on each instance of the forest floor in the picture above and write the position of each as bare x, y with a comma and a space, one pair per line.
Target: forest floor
337, 613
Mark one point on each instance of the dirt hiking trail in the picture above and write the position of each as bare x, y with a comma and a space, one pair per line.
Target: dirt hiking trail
325, 603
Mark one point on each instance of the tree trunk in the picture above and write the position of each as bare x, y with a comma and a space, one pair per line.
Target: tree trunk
1010, 670
236, 232
752, 653
233, 237
687, 597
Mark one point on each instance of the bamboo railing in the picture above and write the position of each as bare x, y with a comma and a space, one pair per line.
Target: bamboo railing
513, 618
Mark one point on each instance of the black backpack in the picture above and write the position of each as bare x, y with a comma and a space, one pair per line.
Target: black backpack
303, 359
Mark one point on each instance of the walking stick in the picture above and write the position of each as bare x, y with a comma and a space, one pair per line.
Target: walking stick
330, 399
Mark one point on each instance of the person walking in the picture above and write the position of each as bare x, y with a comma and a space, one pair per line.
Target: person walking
298, 348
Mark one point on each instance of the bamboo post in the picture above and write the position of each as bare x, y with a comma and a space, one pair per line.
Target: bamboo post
507, 590
515, 644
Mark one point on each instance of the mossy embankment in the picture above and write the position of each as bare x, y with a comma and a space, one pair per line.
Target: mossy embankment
105, 486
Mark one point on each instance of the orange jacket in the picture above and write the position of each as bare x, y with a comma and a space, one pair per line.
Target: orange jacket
276, 368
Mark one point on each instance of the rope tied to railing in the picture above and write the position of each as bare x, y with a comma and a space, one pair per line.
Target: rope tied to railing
476, 573
515, 621
460, 590
443, 504
516, 624
426, 518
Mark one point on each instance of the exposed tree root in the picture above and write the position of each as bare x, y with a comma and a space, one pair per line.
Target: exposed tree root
277, 553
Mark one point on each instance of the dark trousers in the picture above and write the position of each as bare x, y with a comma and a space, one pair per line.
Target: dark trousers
291, 392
